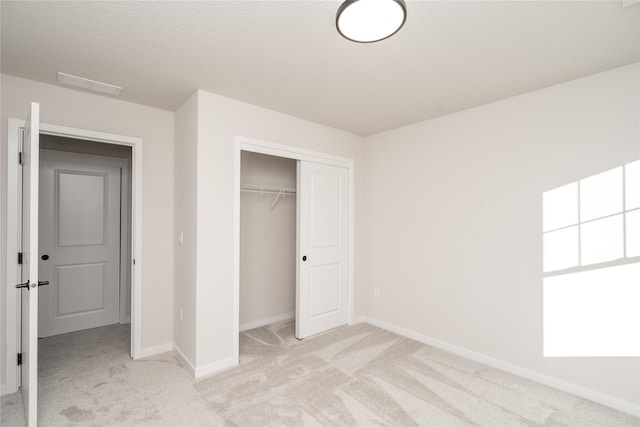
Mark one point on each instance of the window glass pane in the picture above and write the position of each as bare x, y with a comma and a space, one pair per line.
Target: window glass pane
601, 240
633, 233
560, 207
601, 195
632, 183
593, 313
560, 249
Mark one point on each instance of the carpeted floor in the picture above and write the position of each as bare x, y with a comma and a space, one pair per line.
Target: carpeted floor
354, 375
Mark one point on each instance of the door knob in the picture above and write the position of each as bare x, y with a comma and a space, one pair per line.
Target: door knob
45, 257
43, 282
304, 258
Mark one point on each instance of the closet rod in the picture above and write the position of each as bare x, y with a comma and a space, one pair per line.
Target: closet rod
264, 189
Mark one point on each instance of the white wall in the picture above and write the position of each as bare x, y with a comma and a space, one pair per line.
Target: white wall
185, 188
453, 219
219, 120
65, 107
267, 241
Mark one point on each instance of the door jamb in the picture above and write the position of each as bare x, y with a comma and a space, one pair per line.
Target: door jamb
13, 182
296, 153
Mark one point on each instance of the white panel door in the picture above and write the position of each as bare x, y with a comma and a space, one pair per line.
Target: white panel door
322, 282
29, 273
79, 244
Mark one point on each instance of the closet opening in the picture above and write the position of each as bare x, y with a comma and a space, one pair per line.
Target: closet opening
302, 246
267, 270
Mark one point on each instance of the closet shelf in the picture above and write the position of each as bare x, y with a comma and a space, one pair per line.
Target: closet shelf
264, 189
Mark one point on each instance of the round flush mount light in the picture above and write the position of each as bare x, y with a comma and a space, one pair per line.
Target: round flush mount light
367, 21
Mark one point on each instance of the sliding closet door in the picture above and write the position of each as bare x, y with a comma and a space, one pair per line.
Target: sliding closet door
322, 276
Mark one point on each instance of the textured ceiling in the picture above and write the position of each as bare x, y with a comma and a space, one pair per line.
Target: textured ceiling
287, 56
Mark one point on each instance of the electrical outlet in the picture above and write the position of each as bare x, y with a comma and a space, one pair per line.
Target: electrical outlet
180, 314
376, 292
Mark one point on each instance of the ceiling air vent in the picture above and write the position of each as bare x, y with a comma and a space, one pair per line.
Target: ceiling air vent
92, 85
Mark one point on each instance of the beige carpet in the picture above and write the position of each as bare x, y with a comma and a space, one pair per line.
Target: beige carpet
354, 375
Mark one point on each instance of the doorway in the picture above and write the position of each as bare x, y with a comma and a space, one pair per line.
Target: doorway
84, 235
324, 231
134, 145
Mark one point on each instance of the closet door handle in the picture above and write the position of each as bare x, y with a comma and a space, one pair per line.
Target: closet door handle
304, 258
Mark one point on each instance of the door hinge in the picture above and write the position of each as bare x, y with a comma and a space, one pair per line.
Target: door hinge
19, 257
20, 158
19, 358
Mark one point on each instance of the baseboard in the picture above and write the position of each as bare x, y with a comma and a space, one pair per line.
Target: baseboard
126, 320
202, 371
152, 351
215, 367
603, 399
267, 321
360, 319
183, 360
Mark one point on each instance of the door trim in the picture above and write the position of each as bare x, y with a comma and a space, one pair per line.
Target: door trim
15, 127
264, 147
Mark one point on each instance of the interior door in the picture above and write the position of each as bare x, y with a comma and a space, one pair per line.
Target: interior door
29, 270
322, 282
79, 242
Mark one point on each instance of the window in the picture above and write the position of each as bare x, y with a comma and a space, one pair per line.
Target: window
591, 264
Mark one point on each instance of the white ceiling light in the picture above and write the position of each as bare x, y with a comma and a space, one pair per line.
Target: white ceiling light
367, 21
68, 79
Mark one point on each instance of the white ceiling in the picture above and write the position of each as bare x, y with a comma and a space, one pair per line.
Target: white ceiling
287, 56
